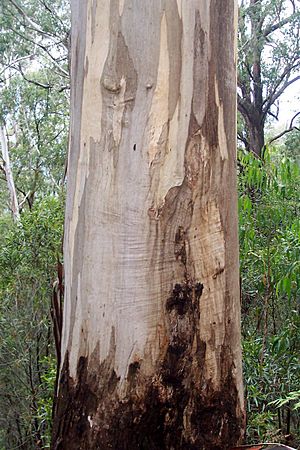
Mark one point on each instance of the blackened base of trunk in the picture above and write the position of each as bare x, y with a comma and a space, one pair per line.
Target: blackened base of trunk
155, 421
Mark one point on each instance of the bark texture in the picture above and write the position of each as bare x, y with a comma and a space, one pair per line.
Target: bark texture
151, 335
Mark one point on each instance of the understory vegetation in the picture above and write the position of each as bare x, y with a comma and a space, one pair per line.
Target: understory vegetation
270, 275
29, 253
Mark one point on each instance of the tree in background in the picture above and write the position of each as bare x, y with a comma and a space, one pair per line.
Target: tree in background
151, 338
33, 78
35, 32
36, 127
269, 62
34, 84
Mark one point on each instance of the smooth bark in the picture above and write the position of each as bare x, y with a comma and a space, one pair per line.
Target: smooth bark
13, 204
151, 335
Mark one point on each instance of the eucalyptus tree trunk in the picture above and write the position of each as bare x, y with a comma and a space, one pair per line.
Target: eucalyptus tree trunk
6, 167
151, 335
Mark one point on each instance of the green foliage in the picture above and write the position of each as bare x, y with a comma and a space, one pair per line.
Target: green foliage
29, 252
37, 125
45, 399
34, 86
290, 398
292, 145
35, 31
270, 271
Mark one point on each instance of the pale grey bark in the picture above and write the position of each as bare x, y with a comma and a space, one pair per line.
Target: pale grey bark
6, 166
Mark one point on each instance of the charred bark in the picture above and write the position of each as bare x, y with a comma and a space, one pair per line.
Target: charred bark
155, 412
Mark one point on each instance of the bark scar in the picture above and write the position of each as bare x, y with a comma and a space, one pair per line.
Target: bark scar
218, 272
111, 85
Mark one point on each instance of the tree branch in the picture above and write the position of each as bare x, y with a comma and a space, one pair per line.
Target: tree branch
47, 7
16, 61
244, 106
273, 115
34, 25
243, 140
44, 48
273, 97
288, 130
271, 28
36, 83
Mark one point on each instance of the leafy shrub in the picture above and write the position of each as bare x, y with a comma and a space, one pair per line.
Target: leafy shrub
29, 252
270, 273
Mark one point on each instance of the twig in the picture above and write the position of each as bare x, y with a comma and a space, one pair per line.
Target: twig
288, 130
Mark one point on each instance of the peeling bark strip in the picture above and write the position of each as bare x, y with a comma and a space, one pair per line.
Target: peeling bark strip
151, 335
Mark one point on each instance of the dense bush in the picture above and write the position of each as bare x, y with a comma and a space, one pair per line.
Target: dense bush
29, 252
270, 273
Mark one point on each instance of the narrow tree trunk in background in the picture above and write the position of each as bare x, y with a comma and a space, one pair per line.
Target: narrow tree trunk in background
256, 122
13, 204
256, 134
151, 336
